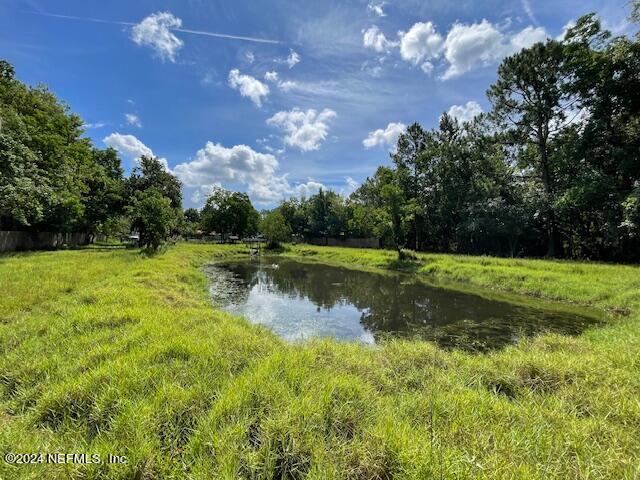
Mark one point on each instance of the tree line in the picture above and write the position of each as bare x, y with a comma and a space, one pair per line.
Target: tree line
552, 169
53, 179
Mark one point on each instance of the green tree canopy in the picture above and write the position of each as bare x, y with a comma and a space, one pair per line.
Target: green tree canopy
274, 228
153, 217
229, 213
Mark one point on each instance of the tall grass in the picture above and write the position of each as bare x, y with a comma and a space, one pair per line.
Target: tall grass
110, 352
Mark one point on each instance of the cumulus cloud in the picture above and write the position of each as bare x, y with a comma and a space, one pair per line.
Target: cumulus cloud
292, 59
466, 112
420, 44
527, 37
127, 145
249, 56
131, 147
215, 164
271, 76
133, 119
305, 130
468, 46
465, 46
377, 9
154, 32
248, 86
374, 39
385, 137
308, 188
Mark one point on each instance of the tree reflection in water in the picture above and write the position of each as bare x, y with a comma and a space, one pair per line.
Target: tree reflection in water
301, 300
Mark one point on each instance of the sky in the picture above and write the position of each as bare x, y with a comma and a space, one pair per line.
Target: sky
273, 98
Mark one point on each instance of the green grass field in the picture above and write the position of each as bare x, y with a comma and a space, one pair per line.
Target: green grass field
104, 351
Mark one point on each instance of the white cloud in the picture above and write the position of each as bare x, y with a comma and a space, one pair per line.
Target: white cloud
304, 129
376, 9
131, 147
154, 32
421, 43
249, 56
215, 164
307, 189
248, 86
527, 37
466, 112
385, 137
427, 67
94, 125
292, 59
374, 39
271, 76
469, 45
287, 85
133, 119
127, 145
465, 46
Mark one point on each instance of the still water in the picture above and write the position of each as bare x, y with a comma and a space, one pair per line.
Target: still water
299, 300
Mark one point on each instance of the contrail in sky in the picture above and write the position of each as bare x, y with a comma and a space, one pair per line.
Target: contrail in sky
183, 30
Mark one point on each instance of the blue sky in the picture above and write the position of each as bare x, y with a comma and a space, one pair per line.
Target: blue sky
273, 98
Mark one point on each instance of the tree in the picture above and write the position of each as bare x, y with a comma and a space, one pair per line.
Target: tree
394, 202
104, 198
25, 190
600, 156
529, 98
192, 215
153, 216
152, 174
275, 229
52, 154
295, 215
326, 214
229, 213
635, 11
407, 159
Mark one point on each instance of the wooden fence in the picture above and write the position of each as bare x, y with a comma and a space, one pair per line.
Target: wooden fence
13, 240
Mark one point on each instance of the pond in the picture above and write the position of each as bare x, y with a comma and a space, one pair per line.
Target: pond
300, 300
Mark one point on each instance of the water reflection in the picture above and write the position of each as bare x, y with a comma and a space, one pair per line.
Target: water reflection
301, 300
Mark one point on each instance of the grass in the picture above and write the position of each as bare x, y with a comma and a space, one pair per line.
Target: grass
106, 351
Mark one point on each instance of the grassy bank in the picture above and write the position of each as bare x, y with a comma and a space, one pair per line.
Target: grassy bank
104, 351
